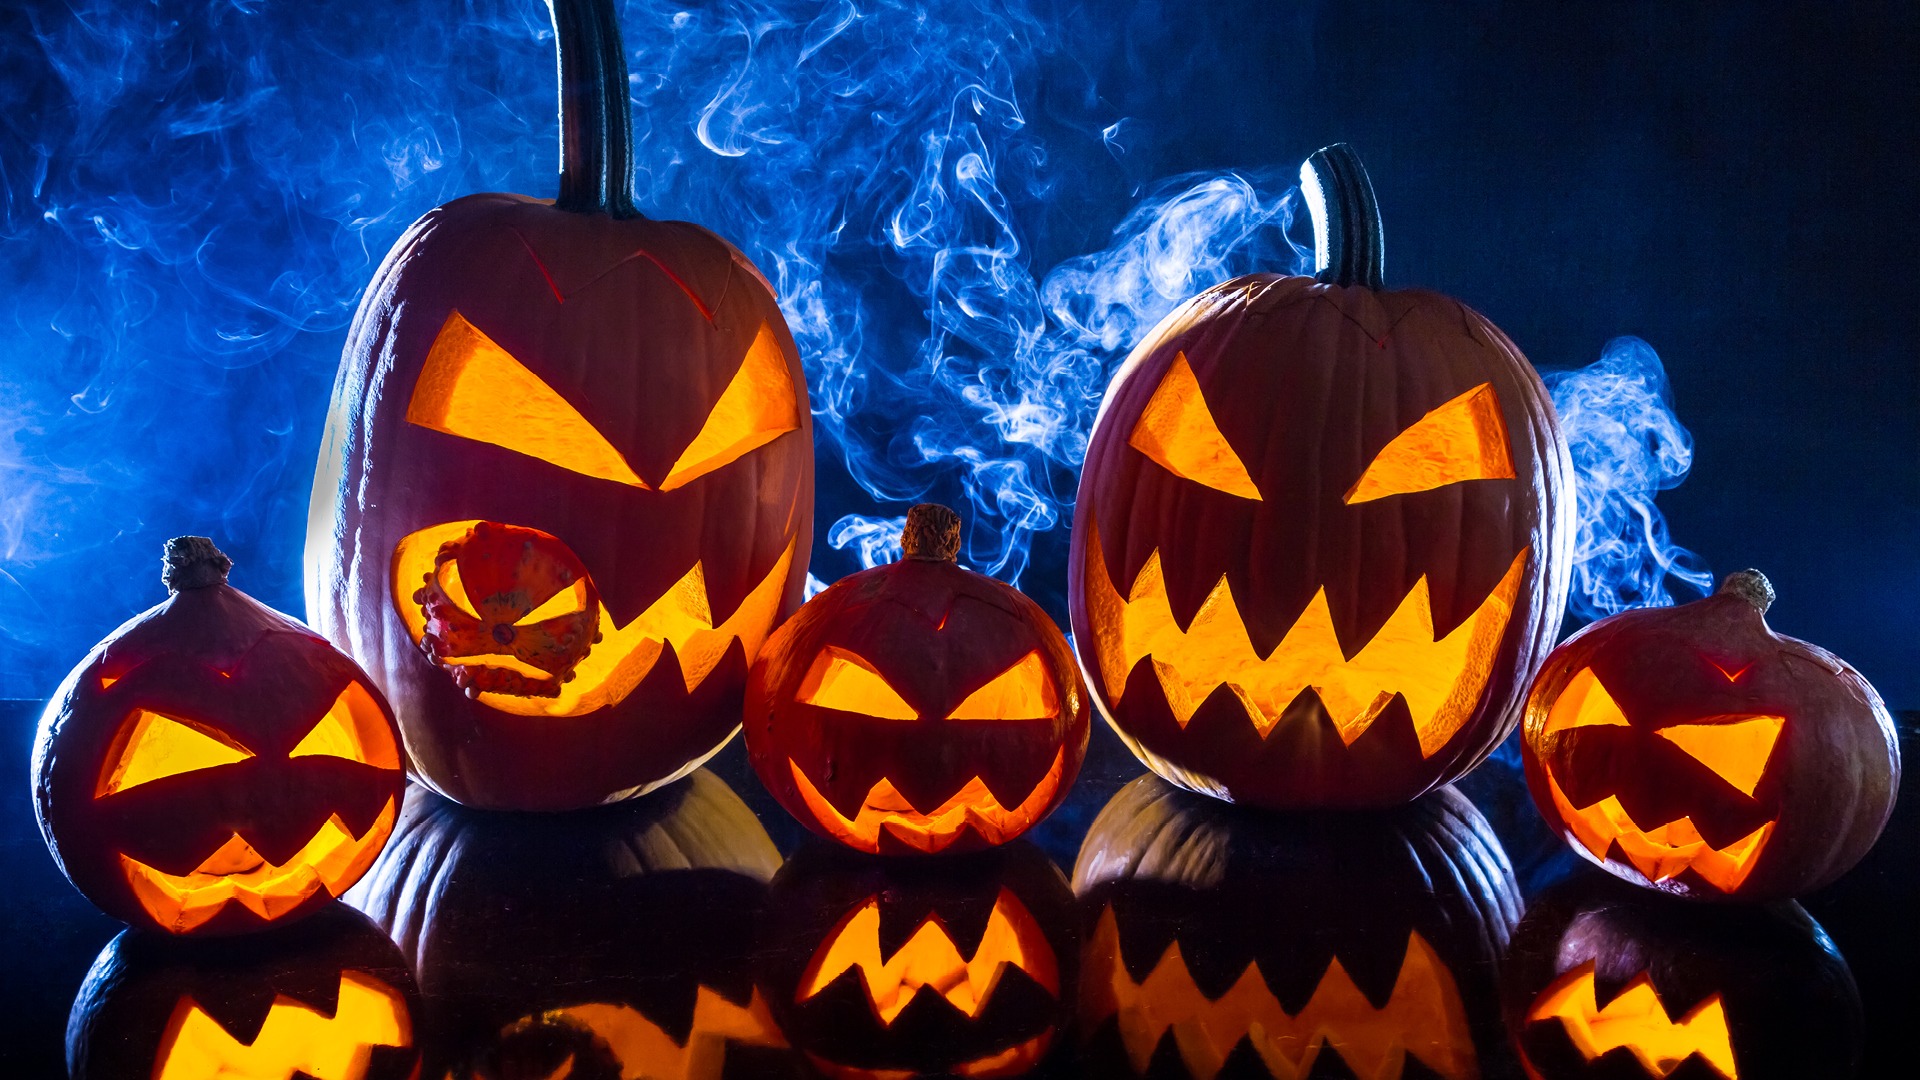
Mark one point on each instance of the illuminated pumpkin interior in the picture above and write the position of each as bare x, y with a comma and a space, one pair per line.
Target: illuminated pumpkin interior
332, 860
1735, 747
972, 807
1423, 1016
1465, 439
1637, 1020
151, 746
1177, 431
1441, 680
472, 388
930, 959
844, 680
625, 654
295, 1039
353, 728
642, 1049
1022, 692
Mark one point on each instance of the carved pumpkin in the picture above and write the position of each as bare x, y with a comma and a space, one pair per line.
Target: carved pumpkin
567, 484
894, 969
213, 766
1224, 942
330, 998
918, 707
1321, 540
1606, 980
1694, 750
616, 939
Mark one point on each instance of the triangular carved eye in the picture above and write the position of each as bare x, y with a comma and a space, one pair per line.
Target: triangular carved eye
152, 746
1735, 747
1177, 431
1022, 692
1584, 703
842, 679
354, 729
1465, 439
757, 407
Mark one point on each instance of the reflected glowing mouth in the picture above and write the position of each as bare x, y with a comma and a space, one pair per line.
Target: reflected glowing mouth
1660, 853
625, 655
1441, 679
973, 805
333, 859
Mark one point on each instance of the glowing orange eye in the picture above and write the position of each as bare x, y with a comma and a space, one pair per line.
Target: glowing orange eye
565, 602
1177, 431
1022, 692
1736, 747
455, 588
757, 407
152, 746
1584, 703
1465, 439
354, 729
840, 679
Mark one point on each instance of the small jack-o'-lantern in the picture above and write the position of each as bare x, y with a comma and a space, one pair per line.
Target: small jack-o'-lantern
1320, 542
1224, 942
918, 707
611, 942
330, 998
1609, 981
213, 766
896, 969
595, 427
1694, 750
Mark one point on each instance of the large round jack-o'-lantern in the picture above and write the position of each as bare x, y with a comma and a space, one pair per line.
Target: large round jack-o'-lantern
1605, 980
1224, 942
214, 767
1322, 534
918, 707
608, 942
566, 487
1694, 750
330, 998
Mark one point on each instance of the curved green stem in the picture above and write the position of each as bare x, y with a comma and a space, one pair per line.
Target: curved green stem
596, 150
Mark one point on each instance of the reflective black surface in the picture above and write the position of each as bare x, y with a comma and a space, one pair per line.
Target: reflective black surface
697, 927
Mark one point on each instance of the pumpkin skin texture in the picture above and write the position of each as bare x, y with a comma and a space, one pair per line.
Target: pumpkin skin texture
1694, 750
891, 969
1322, 537
623, 391
918, 708
1220, 941
329, 997
214, 767
1766, 993
617, 935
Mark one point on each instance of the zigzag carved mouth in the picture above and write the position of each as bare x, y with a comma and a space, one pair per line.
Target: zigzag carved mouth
1663, 852
973, 806
625, 655
236, 872
1440, 678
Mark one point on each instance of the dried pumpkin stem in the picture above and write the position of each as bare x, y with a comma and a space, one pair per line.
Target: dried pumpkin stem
192, 562
1349, 247
1751, 586
932, 533
596, 151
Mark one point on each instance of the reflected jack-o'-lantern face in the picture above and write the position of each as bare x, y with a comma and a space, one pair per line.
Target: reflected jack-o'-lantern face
295, 1038
616, 1039
1639, 1022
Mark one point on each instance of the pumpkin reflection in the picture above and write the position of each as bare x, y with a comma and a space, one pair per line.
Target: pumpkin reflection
330, 999
1609, 980
889, 971
1226, 942
604, 943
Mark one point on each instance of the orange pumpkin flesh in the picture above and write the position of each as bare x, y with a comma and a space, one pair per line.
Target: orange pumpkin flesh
621, 394
1321, 541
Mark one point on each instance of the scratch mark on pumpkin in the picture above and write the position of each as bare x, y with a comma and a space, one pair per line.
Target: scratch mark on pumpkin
535, 256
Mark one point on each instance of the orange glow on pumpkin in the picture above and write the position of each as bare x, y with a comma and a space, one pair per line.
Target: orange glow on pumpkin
1662, 852
844, 680
1735, 747
640, 1048
152, 746
1464, 439
974, 805
1639, 1021
1177, 431
1022, 692
294, 1039
353, 728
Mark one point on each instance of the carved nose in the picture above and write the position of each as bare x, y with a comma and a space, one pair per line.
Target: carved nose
503, 633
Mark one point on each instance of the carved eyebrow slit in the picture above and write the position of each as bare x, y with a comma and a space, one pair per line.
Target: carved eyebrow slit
1177, 431
1464, 439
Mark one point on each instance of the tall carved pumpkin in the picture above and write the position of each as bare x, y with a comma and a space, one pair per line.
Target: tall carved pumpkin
608, 942
1223, 942
1321, 541
566, 488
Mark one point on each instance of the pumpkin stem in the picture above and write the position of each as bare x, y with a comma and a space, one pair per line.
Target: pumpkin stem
1751, 586
932, 533
1348, 243
596, 152
192, 562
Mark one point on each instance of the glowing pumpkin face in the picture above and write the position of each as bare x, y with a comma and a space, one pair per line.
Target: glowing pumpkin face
900, 970
1607, 980
918, 707
594, 428
1693, 750
214, 767
329, 999
1319, 542
1222, 940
